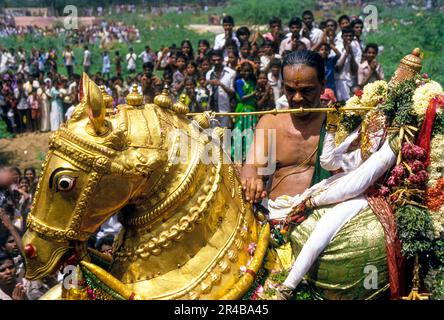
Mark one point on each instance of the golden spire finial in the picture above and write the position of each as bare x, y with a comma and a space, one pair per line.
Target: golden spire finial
107, 99
180, 106
203, 119
164, 100
134, 98
409, 66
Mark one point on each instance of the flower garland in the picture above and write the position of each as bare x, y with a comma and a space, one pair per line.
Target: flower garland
422, 96
435, 203
374, 93
436, 168
371, 96
398, 107
415, 190
435, 185
407, 180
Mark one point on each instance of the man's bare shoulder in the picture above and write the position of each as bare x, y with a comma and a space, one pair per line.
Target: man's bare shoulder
270, 121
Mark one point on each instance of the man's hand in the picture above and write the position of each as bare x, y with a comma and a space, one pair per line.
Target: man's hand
333, 118
252, 184
4, 218
324, 36
348, 48
253, 189
306, 32
214, 82
373, 64
19, 292
296, 216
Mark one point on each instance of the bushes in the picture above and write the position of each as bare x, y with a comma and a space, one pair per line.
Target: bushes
4, 133
259, 11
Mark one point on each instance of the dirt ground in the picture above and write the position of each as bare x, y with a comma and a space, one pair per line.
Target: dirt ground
28, 149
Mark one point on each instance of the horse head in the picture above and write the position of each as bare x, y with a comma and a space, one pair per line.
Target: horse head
187, 230
94, 167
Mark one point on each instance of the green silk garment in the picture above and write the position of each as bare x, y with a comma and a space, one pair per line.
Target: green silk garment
353, 265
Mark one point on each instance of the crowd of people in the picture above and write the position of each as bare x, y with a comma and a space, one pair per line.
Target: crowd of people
240, 71
17, 189
100, 34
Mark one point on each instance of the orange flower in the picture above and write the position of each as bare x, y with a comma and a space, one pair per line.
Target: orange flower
435, 195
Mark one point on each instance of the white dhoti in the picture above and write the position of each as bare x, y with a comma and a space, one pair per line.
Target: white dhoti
345, 190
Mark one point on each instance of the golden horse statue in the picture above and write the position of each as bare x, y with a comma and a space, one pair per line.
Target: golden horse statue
187, 226
188, 232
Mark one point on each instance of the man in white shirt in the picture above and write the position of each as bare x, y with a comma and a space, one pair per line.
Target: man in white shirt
219, 41
274, 77
146, 55
68, 57
23, 67
10, 286
3, 61
309, 30
346, 67
12, 61
344, 22
358, 25
370, 70
86, 60
295, 26
131, 58
220, 81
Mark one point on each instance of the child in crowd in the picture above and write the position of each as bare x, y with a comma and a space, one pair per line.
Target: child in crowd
264, 93
245, 102
202, 93
329, 63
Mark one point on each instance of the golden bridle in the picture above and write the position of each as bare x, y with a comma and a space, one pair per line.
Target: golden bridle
97, 161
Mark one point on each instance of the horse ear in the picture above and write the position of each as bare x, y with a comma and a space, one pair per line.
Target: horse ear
95, 105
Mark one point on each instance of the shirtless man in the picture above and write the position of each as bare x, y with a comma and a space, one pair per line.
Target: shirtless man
297, 135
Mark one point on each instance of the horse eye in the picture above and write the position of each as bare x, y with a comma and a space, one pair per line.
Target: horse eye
65, 183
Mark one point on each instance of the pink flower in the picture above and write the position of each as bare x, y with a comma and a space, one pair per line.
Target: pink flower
425, 75
416, 165
420, 153
407, 151
257, 292
384, 191
252, 248
422, 176
392, 181
419, 178
412, 152
413, 179
398, 171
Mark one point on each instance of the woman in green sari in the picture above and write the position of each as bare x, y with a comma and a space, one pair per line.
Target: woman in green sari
245, 102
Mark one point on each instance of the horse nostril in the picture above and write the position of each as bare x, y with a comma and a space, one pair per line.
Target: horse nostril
30, 251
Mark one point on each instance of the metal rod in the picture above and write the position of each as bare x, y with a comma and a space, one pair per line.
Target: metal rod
275, 111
